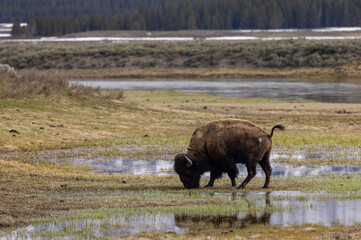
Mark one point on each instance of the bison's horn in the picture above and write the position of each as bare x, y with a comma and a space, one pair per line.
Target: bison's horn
190, 163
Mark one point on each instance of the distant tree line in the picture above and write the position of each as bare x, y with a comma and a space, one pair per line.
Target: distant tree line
209, 14
25, 9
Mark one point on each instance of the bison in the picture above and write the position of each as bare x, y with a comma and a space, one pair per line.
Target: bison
218, 145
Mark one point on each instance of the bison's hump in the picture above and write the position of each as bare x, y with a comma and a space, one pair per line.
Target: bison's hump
221, 134
229, 126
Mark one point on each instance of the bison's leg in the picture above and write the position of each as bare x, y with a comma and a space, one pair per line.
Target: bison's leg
252, 171
232, 174
214, 175
233, 178
266, 166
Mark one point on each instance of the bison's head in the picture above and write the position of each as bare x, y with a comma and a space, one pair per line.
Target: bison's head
186, 168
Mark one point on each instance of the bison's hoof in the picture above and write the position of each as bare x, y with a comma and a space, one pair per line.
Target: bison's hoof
208, 185
265, 187
241, 187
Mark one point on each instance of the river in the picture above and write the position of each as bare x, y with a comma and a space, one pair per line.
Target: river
287, 89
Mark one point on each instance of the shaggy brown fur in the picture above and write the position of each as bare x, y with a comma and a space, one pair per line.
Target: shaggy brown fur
217, 147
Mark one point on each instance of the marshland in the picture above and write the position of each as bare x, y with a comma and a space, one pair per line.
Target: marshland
79, 159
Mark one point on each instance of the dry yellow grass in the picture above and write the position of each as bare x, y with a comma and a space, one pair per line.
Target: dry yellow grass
60, 121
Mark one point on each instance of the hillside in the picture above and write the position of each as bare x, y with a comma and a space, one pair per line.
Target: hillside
228, 57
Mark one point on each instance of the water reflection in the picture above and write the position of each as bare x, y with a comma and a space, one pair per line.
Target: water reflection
297, 211
291, 89
240, 220
325, 212
135, 167
109, 227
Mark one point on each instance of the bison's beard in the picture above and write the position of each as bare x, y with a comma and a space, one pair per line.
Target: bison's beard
190, 182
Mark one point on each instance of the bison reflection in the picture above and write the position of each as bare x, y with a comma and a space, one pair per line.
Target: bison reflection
222, 222
217, 147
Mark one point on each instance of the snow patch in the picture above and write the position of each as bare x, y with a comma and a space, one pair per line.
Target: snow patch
240, 38
2, 35
337, 29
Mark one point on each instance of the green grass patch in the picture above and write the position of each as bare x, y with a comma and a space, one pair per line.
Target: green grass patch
176, 97
192, 210
317, 141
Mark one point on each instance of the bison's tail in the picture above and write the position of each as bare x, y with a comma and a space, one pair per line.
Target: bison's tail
280, 127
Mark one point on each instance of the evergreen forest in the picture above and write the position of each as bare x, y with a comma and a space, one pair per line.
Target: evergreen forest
63, 17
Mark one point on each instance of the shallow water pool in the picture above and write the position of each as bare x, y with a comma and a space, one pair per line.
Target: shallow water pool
296, 209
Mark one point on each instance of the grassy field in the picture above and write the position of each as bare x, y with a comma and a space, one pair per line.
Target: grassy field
168, 118
64, 117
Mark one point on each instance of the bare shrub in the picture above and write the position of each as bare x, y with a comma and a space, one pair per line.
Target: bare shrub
6, 70
82, 91
113, 94
193, 54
